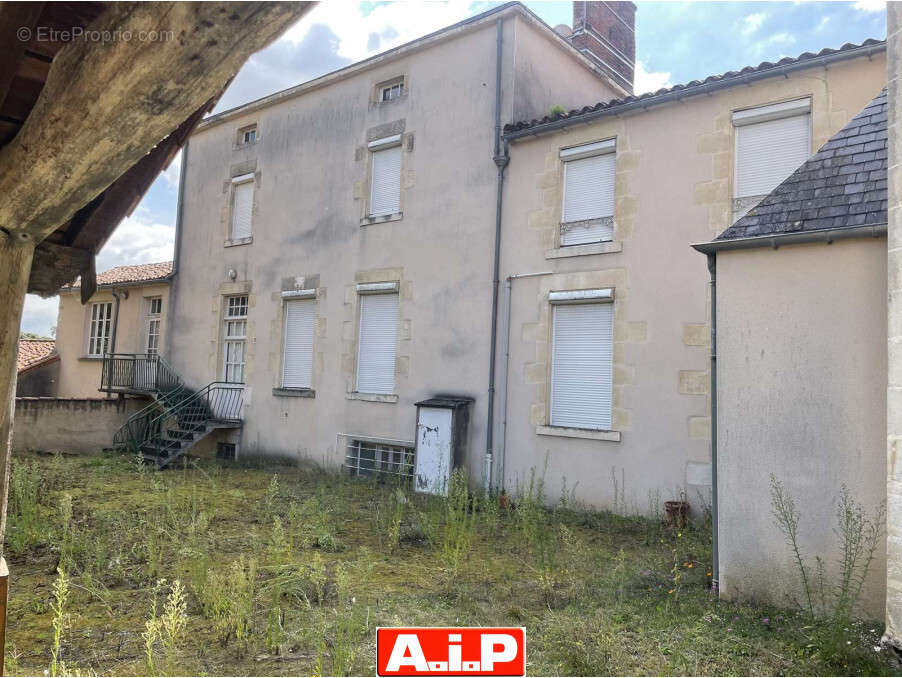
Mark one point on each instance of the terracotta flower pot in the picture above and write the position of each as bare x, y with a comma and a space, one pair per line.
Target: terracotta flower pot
676, 514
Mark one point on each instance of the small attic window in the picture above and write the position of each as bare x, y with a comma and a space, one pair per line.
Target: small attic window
247, 135
390, 91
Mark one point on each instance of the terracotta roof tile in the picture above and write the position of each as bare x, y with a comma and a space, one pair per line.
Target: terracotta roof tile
650, 98
34, 351
132, 274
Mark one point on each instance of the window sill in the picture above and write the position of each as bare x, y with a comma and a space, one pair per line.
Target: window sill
585, 250
366, 221
95, 358
372, 397
238, 241
294, 392
584, 433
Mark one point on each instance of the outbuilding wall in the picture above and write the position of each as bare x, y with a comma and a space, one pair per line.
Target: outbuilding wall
801, 395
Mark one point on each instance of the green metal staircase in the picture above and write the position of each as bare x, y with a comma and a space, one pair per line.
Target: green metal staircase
177, 417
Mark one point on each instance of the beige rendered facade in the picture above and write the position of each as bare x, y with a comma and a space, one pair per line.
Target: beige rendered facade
142, 311
800, 392
673, 187
310, 161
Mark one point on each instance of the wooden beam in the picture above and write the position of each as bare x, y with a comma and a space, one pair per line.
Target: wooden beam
107, 104
15, 17
57, 265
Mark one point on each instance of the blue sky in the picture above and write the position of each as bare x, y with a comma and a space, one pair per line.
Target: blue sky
676, 42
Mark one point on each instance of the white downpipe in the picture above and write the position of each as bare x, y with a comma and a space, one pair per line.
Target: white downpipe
505, 368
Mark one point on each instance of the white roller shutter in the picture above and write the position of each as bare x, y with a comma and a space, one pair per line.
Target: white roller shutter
377, 343
385, 196
242, 210
582, 366
588, 194
768, 152
297, 359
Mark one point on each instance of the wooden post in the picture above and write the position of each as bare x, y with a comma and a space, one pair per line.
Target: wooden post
16, 252
4, 593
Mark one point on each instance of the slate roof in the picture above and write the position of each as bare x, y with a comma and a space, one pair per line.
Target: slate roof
33, 352
132, 274
843, 185
724, 80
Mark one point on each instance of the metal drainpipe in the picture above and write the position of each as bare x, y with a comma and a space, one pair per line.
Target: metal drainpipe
116, 297
501, 159
170, 306
715, 570
505, 367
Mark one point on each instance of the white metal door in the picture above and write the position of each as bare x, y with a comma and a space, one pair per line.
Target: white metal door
433, 455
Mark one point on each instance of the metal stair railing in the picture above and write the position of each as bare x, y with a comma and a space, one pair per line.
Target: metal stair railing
218, 402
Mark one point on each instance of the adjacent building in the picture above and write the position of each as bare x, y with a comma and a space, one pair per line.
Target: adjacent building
37, 366
127, 314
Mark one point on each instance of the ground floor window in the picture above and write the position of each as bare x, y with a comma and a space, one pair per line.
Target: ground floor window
297, 349
377, 342
582, 365
235, 339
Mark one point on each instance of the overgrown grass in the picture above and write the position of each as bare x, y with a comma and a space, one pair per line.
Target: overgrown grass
290, 571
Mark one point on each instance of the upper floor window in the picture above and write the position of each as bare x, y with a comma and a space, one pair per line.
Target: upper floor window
99, 328
247, 135
582, 359
385, 188
588, 211
154, 306
772, 142
391, 90
242, 207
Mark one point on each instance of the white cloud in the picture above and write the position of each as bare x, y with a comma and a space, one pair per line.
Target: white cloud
137, 240
395, 23
649, 81
752, 22
781, 39
39, 315
870, 5
171, 173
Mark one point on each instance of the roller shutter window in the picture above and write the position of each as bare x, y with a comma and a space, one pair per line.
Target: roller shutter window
297, 359
588, 194
771, 144
582, 365
242, 209
377, 343
385, 193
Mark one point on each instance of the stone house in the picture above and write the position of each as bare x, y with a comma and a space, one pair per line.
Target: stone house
335, 240
363, 246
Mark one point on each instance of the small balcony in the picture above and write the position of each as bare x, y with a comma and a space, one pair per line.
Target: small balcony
137, 374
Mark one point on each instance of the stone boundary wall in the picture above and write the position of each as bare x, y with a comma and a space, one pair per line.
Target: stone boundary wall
71, 425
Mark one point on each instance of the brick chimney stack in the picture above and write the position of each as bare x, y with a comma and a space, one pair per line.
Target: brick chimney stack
605, 32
